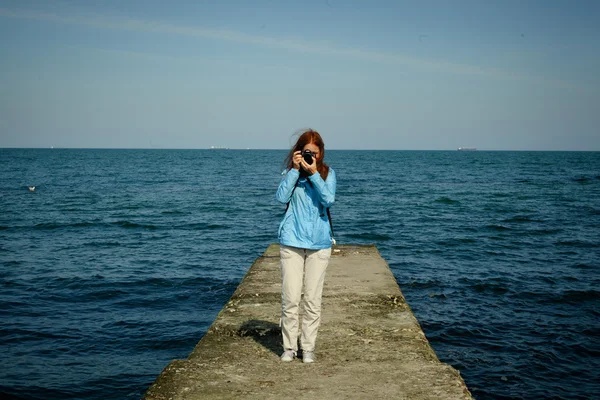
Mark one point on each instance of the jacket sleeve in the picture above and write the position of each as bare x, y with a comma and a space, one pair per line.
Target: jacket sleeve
286, 187
325, 188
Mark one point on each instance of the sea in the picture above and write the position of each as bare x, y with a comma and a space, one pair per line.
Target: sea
119, 260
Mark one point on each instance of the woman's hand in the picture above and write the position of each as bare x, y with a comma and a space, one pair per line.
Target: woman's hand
297, 159
310, 168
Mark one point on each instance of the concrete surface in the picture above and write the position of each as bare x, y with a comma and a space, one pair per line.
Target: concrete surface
370, 345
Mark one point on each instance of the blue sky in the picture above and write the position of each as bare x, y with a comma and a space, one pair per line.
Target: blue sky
502, 75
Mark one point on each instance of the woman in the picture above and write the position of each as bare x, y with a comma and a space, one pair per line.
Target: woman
308, 189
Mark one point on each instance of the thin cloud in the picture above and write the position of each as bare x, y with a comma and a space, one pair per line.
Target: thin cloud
136, 25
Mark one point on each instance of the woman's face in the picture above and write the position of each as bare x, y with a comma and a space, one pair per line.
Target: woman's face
314, 149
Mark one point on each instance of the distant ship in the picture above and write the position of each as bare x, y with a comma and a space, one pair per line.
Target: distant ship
466, 149
219, 148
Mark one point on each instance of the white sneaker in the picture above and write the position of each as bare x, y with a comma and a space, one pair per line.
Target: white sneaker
288, 355
308, 356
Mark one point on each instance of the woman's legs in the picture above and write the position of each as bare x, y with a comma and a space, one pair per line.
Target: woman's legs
298, 267
314, 277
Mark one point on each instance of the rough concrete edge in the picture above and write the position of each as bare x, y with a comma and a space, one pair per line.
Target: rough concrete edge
454, 371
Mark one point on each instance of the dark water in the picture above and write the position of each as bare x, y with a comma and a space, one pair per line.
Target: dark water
119, 261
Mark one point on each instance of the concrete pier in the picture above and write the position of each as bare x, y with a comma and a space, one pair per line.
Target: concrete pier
370, 345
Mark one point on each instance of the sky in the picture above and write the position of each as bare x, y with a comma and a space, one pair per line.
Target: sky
397, 75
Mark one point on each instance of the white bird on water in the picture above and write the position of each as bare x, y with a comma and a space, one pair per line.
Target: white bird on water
31, 188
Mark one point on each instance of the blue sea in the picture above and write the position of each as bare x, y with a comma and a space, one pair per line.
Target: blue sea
120, 260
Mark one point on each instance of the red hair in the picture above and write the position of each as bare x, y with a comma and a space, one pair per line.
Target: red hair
309, 137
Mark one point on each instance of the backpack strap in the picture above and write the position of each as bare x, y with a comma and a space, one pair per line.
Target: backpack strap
330, 223
291, 195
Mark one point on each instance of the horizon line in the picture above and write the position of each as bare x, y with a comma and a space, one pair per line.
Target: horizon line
284, 149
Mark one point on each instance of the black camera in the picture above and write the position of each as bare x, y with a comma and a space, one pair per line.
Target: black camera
308, 156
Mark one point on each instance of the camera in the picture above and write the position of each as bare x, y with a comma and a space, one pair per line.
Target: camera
308, 156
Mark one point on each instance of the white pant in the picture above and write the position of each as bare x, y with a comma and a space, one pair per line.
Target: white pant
297, 264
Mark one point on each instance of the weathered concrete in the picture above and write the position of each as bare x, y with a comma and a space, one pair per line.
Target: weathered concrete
370, 346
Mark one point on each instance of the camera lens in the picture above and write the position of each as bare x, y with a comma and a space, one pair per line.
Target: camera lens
308, 156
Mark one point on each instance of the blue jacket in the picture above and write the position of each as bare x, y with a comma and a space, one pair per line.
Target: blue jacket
305, 224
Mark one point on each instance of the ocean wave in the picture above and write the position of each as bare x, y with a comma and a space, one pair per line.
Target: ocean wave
573, 297
102, 244
456, 242
57, 225
163, 343
452, 333
583, 179
576, 243
593, 210
158, 301
497, 288
97, 283
425, 284
18, 335
200, 226
134, 225
592, 332
175, 212
447, 200
495, 227
583, 266
542, 231
366, 236
521, 218
11, 263
578, 296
